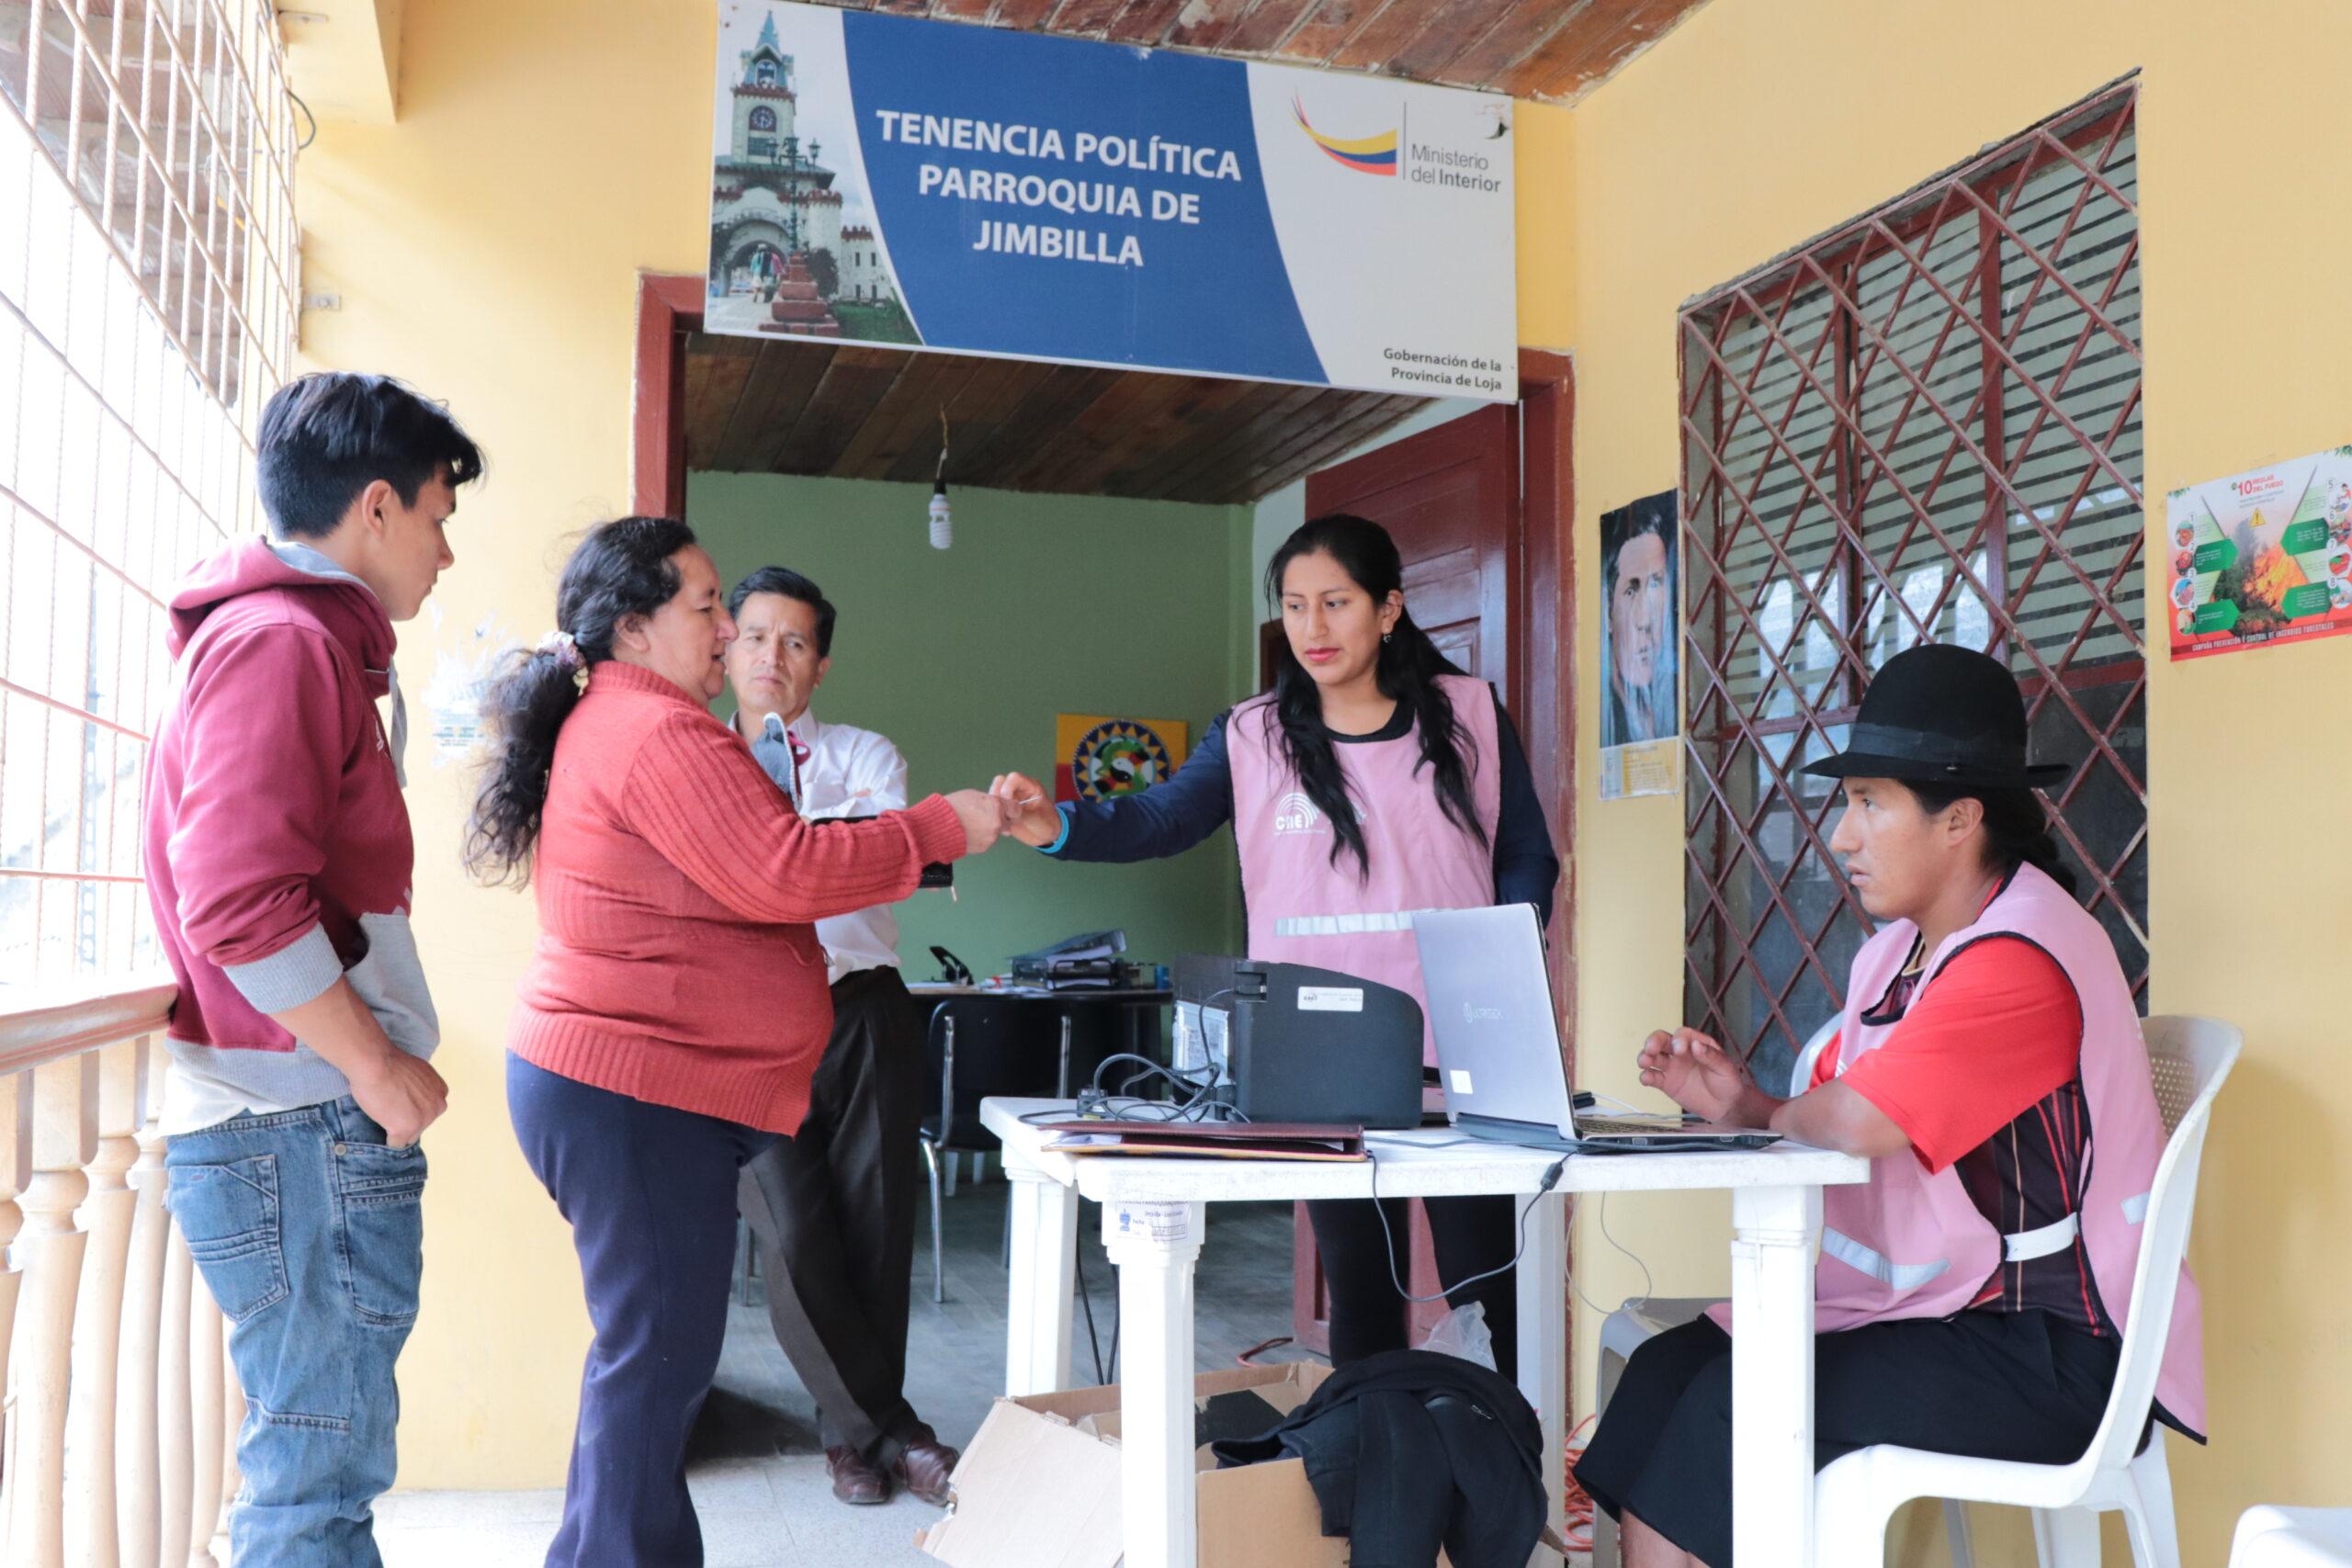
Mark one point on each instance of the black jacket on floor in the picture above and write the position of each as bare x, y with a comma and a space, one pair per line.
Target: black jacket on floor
1409, 1451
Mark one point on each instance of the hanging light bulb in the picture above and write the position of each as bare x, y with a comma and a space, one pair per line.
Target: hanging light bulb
943, 527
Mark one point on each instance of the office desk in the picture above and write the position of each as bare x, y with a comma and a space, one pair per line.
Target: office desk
1153, 1220
1133, 1012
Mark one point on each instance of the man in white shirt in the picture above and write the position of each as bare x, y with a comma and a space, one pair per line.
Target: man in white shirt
832, 1208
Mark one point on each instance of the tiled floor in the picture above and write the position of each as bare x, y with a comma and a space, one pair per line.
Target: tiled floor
755, 1468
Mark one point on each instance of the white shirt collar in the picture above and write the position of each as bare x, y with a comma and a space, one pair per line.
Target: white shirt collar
806, 727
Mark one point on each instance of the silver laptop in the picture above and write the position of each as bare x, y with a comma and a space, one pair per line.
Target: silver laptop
1498, 1044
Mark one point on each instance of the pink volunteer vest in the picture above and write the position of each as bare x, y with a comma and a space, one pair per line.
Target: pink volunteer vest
1908, 1244
1303, 909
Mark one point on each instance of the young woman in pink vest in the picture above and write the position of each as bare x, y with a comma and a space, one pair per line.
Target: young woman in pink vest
1375, 778
1970, 1295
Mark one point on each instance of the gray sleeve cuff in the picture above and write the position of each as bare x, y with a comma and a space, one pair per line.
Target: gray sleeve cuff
297, 973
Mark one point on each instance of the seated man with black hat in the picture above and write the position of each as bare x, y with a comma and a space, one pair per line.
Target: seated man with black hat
1970, 1295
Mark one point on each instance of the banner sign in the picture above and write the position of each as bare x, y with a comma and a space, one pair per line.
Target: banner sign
884, 180
2262, 557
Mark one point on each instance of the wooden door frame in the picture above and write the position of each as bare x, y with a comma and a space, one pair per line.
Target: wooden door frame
668, 306
1542, 686
1544, 705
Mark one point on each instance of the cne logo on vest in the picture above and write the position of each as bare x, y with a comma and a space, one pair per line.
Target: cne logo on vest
1293, 813
1470, 1014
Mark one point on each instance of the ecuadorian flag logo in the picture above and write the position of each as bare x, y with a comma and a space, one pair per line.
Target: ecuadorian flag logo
1364, 154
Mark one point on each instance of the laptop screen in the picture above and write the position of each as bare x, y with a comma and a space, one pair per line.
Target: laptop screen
1490, 1014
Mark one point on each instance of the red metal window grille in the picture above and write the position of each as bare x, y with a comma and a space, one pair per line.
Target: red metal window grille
148, 292
1924, 425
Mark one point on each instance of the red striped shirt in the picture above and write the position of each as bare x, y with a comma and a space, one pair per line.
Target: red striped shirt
677, 958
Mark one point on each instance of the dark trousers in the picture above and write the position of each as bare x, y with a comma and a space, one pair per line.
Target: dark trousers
832, 1209
2016, 1386
1469, 1235
650, 1193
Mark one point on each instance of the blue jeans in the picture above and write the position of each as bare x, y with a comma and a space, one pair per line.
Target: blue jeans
307, 1230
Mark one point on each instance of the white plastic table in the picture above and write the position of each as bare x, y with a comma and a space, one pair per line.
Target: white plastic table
1152, 1225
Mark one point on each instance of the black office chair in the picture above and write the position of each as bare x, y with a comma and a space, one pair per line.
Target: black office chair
987, 1047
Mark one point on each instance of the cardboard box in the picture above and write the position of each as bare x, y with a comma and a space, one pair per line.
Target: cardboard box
1039, 1486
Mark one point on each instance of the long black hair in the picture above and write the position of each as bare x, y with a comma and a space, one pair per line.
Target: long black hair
2017, 827
621, 569
1408, 670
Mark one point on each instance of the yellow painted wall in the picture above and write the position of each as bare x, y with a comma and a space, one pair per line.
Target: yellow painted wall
1755, 125
486, 248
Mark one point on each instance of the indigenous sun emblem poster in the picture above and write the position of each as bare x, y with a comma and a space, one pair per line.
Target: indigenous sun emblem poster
1100, 758
2261, 557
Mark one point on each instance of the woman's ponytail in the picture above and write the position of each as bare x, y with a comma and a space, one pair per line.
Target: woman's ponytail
621, 569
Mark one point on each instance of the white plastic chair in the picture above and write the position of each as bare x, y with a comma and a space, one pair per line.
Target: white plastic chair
2272, 1536
1855, 1498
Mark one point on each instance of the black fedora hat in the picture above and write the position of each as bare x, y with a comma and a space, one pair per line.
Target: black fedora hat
1937, 713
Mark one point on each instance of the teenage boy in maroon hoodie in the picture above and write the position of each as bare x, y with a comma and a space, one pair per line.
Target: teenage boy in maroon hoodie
278, 863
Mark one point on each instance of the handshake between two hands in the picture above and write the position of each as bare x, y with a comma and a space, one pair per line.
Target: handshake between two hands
1013, 803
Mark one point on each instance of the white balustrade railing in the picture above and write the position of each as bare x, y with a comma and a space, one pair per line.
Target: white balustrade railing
121, 1409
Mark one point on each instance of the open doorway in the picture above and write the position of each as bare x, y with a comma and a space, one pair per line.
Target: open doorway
1162, 466
1476, 524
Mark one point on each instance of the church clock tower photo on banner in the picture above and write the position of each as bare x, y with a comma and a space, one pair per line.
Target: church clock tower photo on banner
893, 181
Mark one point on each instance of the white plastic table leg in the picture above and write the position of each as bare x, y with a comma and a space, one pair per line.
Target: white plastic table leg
1775, 1230
1544, 1342
1039, 1269
1154, 1244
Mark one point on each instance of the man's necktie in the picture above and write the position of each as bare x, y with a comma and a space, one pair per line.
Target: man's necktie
782, 755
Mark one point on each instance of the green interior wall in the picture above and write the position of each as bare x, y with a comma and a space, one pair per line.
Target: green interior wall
1046, 605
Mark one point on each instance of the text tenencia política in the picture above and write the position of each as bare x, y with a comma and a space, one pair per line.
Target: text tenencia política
1153, 155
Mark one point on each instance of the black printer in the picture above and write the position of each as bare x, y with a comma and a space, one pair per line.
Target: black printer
1292, 1043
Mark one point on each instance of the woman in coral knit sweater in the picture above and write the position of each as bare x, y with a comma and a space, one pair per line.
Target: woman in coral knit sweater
675, 1007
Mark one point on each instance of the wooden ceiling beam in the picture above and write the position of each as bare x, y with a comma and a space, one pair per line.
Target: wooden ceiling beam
854, 383
1340, 438
1375, 45
996, 390
714, 382
1237, 447
1210, 25
1268, 25
1085, 19
1147, 22
1029, 14
1327, 25
809, 407
1073, 459
783, 377
1553, 50
1043, 415
1212, 412
1631, 26
911, 390
1245, 468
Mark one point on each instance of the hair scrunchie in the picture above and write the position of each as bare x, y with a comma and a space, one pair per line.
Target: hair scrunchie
565, 650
